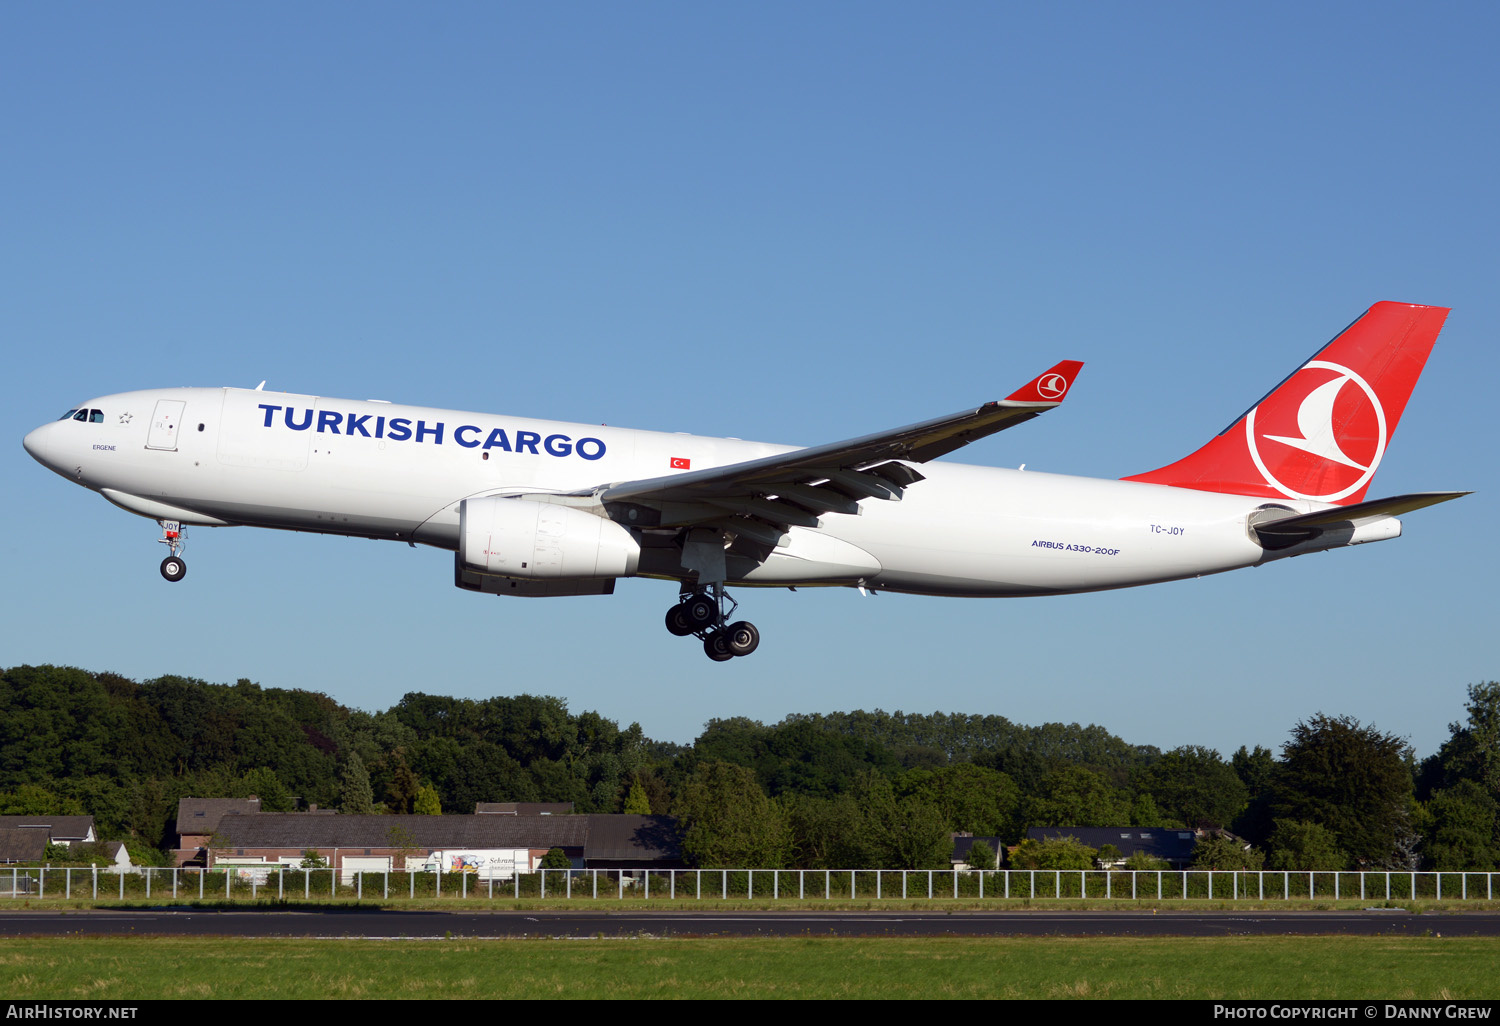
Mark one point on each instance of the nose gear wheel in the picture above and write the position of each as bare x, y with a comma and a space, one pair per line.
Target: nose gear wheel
174, 537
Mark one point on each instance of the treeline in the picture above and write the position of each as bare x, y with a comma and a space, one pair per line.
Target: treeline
125, 752
820, 791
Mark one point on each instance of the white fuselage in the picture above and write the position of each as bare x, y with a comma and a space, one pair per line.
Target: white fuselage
380, 470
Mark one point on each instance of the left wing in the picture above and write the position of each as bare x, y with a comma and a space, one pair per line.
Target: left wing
760, 499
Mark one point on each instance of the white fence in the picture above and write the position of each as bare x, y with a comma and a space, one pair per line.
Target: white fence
269, 882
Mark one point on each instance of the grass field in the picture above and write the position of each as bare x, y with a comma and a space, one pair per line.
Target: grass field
85, 968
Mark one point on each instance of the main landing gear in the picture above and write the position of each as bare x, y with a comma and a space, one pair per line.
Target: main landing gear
174, 537
704, 615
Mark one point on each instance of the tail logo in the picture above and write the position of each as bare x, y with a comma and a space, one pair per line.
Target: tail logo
1338, 434
1052, 386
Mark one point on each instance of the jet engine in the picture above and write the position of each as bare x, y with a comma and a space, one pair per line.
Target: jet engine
530, 541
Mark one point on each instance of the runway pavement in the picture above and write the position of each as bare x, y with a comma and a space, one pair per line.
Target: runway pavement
379, 923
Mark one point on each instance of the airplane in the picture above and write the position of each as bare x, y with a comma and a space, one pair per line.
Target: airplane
542, 508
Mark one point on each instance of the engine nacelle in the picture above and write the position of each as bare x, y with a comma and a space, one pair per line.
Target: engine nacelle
542, 541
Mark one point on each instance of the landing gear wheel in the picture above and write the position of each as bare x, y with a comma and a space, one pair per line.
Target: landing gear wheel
677, 621
173, 568
716, 647
700, 612
742, 638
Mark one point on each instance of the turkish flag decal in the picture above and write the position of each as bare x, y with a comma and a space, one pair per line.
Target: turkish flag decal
678, 463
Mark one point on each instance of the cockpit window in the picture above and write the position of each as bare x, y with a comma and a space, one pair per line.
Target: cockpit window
87, 416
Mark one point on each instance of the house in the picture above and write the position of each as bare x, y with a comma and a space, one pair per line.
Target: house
632, 842
499, 845
25, 838
963, 842
198, 820
1174, 845
59, 829
21, 844
65, 830
377, 842
523, 809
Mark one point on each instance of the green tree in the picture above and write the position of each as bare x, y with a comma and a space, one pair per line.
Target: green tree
728, 821
358, 795
401, 838
556, 858
427, 803
143, 854
970, 797
981, 855
1304, 846
401, 793
1224, 853
94, 853
636, 803
1461, 828
828, 832
1472, 751
1351, 779
263, 783
1144, 812
1075, 796
35, 800
1193, 785
311, 859
1144, 862
1053, 853
898, 833
1257, 771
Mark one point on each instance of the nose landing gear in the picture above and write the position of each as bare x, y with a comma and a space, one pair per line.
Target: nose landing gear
706, 616
174, 537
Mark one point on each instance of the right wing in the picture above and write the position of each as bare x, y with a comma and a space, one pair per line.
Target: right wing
762, 498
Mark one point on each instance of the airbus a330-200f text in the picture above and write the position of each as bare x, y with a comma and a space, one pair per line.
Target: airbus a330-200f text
538, 508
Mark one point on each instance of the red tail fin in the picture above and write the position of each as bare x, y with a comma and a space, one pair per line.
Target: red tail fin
1321, 433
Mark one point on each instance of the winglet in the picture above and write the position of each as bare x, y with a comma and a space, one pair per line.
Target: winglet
1049, 386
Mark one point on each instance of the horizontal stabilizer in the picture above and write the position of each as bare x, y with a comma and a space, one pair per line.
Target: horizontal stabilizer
1309, 524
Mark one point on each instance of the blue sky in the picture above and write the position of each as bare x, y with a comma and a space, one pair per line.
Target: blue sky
788, 222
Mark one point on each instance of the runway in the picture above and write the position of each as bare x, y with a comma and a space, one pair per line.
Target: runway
380, 923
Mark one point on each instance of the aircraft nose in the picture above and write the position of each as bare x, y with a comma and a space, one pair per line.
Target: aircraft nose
37, 444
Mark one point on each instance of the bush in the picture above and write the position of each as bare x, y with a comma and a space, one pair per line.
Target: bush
1222, 853
1053, 853
1145, 863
